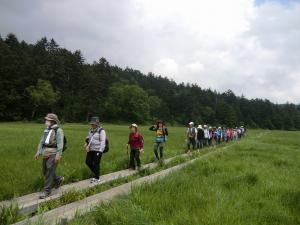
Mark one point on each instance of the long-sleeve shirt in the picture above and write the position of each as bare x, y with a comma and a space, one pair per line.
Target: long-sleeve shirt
96, 139
52, 141
136, 141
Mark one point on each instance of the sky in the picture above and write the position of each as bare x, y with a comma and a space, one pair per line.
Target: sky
249, 46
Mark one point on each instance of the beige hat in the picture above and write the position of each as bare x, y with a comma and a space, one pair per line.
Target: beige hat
133, 125
200, 126
52, 117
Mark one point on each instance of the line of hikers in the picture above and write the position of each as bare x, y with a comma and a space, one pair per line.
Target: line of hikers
53, 143
211, 136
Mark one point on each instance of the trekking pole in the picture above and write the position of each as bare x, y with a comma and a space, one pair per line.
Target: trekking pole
127, 157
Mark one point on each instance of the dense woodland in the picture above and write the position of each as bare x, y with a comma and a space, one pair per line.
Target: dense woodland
43, 77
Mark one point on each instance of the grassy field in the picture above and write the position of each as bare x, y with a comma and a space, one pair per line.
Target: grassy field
256, 181
20, 174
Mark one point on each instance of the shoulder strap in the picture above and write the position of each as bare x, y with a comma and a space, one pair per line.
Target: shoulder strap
99, 131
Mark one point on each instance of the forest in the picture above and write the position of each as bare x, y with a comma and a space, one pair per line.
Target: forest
43, 77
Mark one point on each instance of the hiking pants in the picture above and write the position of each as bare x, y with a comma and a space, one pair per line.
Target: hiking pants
93, 159
160, 146
200, 143
49, 168
134, 158
191, 141
206, 141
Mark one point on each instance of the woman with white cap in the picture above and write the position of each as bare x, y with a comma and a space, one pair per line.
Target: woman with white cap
136, 143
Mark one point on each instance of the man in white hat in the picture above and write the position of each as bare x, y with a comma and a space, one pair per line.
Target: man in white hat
191, 136
51, 147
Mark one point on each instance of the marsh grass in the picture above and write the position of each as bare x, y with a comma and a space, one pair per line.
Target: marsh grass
8, 215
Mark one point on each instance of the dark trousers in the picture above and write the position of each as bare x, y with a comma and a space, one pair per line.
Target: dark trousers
160, 146
191, 141
134, 158
49, 172
93, 159
200, 143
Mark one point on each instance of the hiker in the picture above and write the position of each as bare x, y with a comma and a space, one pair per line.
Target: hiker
239, 133
206, 135
243, 131
211, 135
235, 134
219, 135
200, 137
136, 144
224, 134
50, 148
161, 133
191, 136
215, 138
95, 144
228, 135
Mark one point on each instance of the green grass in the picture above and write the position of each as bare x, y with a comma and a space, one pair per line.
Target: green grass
20, 174
256, 181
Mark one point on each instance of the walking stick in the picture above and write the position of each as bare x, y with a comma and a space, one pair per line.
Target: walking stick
128, 157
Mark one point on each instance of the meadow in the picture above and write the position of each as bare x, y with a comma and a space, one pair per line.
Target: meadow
256, 181
20, 174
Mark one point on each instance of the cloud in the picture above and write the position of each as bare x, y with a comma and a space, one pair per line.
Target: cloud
248, 46
166, 66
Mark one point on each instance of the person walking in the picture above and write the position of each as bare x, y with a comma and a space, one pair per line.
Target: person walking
191, 136
219, 134
95, 144
136, 144
50, 148
200, 137
161, 133
206, 135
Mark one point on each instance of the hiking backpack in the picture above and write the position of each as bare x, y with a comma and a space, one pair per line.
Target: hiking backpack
64, 142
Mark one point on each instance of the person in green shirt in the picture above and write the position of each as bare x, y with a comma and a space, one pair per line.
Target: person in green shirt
50, 148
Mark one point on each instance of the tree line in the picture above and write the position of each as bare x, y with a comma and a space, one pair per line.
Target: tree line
43, 77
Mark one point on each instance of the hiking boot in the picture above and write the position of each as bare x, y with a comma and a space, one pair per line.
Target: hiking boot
59, 182
93, 180
44, 195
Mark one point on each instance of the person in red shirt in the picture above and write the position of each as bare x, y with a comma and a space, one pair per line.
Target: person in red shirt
136, 143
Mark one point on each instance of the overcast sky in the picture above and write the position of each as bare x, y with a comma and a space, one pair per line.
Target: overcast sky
251, 47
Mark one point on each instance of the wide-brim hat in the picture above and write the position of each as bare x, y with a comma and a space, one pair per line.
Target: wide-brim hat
200, 127
95, 120
52, 117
